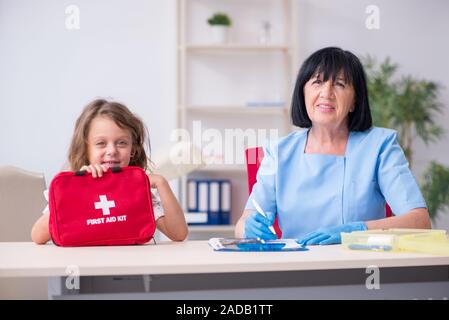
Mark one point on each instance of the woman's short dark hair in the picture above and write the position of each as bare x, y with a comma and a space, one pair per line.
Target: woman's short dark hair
329, 62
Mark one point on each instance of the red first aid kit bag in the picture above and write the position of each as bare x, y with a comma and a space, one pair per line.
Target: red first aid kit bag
115, 209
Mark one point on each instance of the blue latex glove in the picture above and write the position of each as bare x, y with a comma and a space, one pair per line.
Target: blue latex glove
256, 226
330, 235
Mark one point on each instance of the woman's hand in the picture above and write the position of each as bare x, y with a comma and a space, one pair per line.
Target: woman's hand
331, 235
258, 226
97, 170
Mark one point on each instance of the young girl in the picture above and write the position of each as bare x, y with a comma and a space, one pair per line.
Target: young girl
107, 135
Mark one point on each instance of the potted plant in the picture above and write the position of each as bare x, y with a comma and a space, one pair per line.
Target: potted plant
410, 106
220, 24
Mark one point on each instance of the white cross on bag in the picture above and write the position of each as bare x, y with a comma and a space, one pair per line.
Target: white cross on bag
104, 205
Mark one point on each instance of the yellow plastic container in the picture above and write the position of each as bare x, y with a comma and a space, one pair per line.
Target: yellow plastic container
398, 240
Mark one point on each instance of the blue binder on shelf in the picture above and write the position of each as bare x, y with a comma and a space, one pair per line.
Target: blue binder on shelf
196, 206
208, 201
214, 202
225, 198
192, 196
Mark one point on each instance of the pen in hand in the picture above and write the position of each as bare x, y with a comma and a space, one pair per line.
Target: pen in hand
259, 209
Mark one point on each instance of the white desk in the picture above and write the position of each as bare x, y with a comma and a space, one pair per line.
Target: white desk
193, 270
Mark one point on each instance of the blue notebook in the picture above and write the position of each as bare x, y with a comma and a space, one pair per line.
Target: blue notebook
235, 244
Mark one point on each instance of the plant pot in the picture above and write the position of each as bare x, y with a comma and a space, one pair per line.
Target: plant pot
220, 34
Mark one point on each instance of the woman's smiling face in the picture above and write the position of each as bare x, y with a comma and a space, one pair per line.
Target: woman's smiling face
328, 103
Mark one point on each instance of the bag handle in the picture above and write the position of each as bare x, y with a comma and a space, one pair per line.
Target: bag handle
83, 172
116, 169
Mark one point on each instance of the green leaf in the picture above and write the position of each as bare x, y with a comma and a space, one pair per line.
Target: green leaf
221, 19
411, 107
436, 188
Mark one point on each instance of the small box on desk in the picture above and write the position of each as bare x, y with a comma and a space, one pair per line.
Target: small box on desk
398, 240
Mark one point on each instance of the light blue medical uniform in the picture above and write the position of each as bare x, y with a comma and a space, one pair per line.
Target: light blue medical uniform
311, 191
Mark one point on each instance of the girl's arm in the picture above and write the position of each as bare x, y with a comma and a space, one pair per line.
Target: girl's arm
40, 233
173, 223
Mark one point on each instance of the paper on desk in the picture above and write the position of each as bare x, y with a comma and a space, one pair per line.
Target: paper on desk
236, 244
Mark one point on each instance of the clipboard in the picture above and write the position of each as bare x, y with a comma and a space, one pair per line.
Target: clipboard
254, 244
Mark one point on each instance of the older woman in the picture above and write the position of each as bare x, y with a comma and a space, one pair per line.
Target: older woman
337, 175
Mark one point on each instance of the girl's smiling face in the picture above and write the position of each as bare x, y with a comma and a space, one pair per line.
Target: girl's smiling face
108, 144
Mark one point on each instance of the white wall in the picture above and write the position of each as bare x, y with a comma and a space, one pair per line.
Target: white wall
127, 50
412, 32
124, 50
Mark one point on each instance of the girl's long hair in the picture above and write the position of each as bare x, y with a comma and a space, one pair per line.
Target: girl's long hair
124, 118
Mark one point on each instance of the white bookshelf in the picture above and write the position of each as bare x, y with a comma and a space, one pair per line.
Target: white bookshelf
226, 168
237, 110
229, 48
210, 231
238, 85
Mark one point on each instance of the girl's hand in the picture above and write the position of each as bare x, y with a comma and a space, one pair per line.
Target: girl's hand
156, 180
97, 170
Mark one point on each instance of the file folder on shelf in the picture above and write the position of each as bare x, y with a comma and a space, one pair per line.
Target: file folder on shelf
214, 203
194, 215
209, 201
192, 196
225, 197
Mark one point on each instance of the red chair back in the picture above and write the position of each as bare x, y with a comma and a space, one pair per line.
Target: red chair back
388, 212
254, 157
